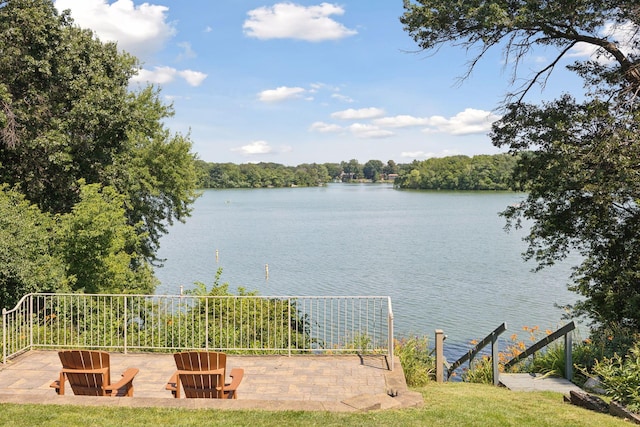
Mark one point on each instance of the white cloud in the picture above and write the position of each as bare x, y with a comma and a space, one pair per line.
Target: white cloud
361, 130
163, 75
342, 98
363, 113
416, 155
141, 30
256, 147
289, 20
469, 121
323, 127
187, 51
280, 94
401, 121
193, 78
160, 75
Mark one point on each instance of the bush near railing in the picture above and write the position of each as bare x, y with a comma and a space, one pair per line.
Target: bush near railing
244, 323
208, 319
260, 324
182, 322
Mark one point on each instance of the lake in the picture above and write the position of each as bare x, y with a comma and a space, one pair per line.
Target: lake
443, 257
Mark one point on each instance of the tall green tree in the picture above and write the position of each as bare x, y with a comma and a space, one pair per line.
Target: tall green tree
372, 170
579, 159
99, 248
67, 114
29, 260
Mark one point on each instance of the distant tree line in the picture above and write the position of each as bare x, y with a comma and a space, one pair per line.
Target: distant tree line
263, 175
482, 172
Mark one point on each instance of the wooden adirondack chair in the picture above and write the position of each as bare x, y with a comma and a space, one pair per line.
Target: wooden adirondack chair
88, 373
202, 374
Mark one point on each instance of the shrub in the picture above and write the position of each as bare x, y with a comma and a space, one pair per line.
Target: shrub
620, 377
417, 361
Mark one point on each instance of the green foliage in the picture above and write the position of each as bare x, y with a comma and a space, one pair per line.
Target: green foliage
620, 377
612, 338
480, 371
519, 27
100, 249
549, 360
68, 115
583, 192
481, 172
373, 170
257, 323
28, 259
263, 175
418, 364
578, 159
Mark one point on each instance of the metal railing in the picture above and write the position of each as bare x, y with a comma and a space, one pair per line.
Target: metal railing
243, 324
492, 339
566, 332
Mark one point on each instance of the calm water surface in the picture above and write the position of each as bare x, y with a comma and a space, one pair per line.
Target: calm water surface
442, 257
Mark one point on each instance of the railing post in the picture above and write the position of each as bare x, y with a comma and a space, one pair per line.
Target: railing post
4, 336
206, 322
568, 358
289, 325
494, 359
439, 355
391, 332
30, 321
125, 324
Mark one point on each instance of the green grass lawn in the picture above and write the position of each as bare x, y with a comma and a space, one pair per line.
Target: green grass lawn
452, 404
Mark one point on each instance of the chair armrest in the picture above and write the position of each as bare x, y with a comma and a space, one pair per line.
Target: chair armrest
171, 384
125, 381
236, 377
84, 371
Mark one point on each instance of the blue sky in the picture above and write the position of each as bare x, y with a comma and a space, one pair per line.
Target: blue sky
306, 81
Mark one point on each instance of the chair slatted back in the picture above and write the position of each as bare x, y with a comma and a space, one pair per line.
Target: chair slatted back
86, 383
201, 374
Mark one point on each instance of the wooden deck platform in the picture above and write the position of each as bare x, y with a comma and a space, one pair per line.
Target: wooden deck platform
537, 382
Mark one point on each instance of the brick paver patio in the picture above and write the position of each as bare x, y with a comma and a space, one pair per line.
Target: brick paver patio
337, 383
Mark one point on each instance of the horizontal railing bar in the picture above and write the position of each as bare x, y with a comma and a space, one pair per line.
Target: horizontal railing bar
475, 350
245, 323
323, 297
542, 343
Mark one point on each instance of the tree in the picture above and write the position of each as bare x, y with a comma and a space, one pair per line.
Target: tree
352, 169
390, 168
578, 158
67, 114
99, 247
372, 170
334, 170
519, 26
28, 259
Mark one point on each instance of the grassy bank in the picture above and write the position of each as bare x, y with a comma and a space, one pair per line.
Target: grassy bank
455, 404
